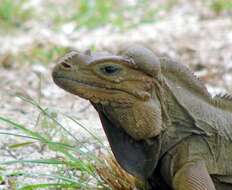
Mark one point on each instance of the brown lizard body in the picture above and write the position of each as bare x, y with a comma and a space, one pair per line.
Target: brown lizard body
161, 123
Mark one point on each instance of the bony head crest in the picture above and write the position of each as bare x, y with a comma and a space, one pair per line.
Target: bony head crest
144, 59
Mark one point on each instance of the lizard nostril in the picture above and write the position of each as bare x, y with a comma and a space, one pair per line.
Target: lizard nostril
66, 65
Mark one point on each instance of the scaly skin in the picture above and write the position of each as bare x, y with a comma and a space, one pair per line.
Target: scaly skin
161, 123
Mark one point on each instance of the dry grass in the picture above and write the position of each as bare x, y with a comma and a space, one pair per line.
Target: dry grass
117, 178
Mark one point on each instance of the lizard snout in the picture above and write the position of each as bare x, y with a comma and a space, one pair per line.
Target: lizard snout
67, 61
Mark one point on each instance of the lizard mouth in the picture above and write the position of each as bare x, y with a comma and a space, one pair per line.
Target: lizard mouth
95, 92
86, 84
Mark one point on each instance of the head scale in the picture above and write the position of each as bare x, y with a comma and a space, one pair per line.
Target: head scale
144, 59
107, 78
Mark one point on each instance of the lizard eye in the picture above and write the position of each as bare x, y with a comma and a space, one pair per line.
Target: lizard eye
110, 70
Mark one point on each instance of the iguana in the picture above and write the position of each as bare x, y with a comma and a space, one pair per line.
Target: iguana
161, 123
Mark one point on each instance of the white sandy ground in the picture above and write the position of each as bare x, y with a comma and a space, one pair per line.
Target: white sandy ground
189, 33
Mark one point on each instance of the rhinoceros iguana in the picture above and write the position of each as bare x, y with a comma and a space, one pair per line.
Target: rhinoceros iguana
162, 124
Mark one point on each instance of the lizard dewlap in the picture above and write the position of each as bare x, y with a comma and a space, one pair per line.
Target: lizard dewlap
160, 121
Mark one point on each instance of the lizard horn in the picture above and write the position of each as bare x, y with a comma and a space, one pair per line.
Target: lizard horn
144, 59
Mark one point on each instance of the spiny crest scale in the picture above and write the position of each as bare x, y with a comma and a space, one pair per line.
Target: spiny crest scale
224, 101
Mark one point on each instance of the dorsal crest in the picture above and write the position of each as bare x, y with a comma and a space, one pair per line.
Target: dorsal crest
224, 101
224, 96
182, 74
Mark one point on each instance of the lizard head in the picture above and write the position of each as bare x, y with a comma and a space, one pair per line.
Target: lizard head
123, 89
105, 78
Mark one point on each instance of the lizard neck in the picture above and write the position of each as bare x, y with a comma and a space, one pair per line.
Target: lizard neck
179, 123
178, 115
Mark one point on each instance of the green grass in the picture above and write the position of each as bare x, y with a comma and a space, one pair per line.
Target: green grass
85, 13
66, 165
13, 13
93, 13
74, 168
221, 5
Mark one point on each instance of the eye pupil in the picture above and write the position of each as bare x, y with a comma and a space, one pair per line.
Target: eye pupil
110, 69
